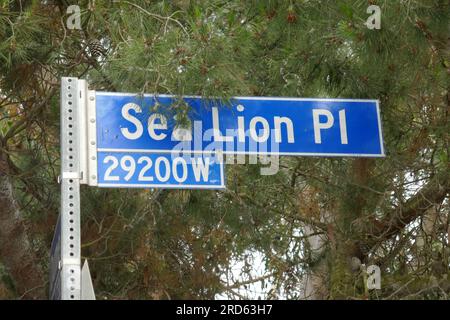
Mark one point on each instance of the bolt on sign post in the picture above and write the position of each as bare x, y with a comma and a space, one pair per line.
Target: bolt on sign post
126, 140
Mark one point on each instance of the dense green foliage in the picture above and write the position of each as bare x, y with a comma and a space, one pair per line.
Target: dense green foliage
163, 244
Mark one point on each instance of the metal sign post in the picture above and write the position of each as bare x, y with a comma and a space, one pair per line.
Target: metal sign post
66, 264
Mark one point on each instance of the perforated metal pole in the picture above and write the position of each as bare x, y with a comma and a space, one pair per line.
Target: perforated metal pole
72, 97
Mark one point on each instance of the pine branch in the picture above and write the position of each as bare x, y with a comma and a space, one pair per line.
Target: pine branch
435, 191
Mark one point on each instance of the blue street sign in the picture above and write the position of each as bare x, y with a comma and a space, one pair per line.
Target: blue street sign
245, 125
159, 170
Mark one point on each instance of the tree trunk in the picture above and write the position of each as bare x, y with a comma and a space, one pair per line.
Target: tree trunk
16, 253
314, 285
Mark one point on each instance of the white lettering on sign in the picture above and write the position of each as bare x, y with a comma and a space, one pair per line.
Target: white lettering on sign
343, 127
161, 125
289, 127
115, 164
166, 177
265, 130
321, 125
200, 168
217, 134
184, 170
127, 116
318, 126
130, 168
241, 130
260, 135
259, 130
144, 170
163, 168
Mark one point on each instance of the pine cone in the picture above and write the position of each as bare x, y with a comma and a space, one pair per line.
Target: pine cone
96, 48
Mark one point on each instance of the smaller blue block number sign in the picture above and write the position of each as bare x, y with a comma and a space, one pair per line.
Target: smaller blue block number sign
160, 170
